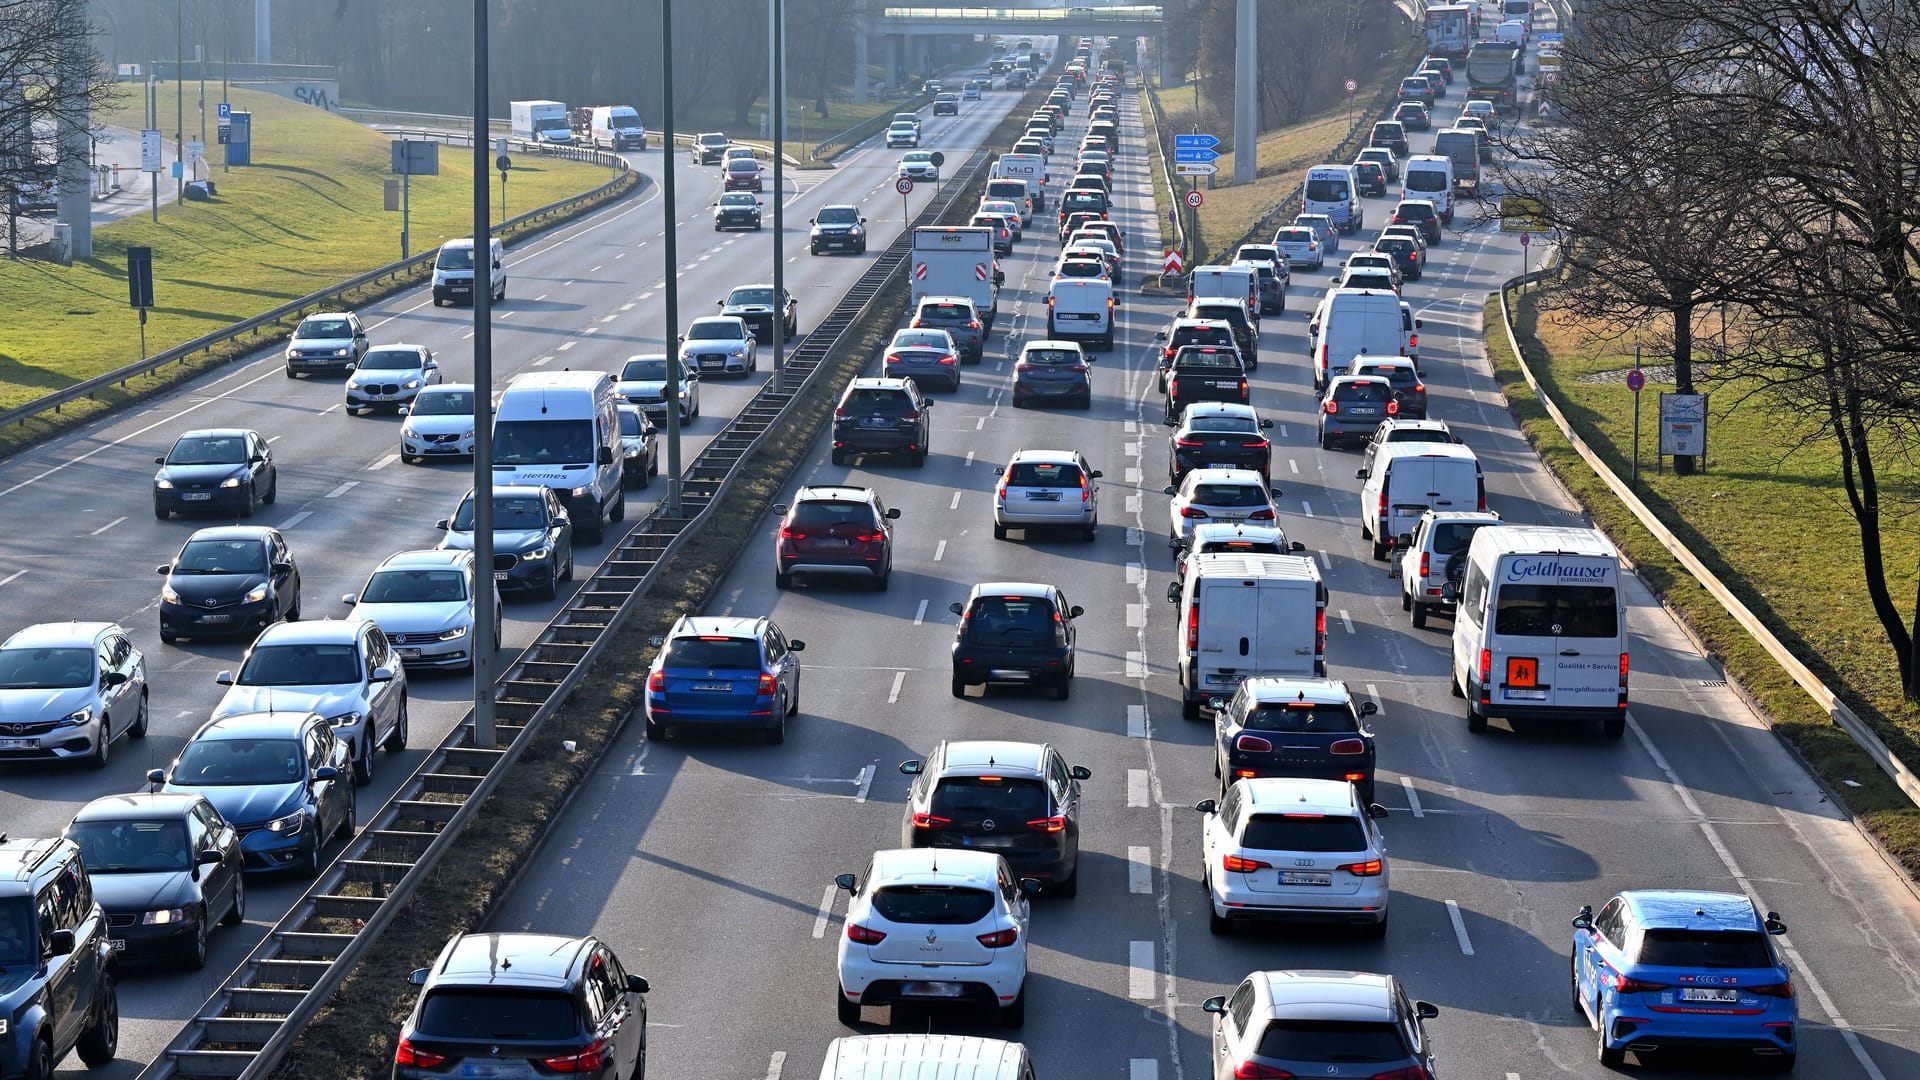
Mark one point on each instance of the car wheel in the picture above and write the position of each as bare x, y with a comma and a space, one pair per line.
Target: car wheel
849, 1010
920, 459
311, 865
102, 747
1065, 690
1091, 532
293, 611
959, 687
1189, 708
1379, 551
839, 457
777, 734
1218, 924
194, 953
813, 249
567, 574
882, 580
1476, 720
1015, 1015
291, 375
99, 1043
363, 762
782, 581
619, 512
1608, 1057
1406, 602
1615, 726
1419, 616
138, 729
397, 738
168, 637
863, 248
1326, 443
246, 508
237, 911
273, 489
1375, 931
160, 510
1573, 987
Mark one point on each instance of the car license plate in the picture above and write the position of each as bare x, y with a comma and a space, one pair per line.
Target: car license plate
116, 944
1711, 994
714, 687
930, 989
1074, 315
875, 422
986, 841
409, 654
1304, 877
487, 1070
18, 744
1009, 674
196, 496
213, 618
712, 363
1043, 496
1525, 695
499, 575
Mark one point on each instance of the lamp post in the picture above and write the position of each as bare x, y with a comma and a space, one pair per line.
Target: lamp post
180, 96
484, 599
671, 251
777, 92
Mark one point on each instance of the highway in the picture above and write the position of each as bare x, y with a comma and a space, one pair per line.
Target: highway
708, 862
83, 541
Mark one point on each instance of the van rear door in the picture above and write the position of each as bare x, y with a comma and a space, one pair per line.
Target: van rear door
1287, 615
1557, 636
1229, 630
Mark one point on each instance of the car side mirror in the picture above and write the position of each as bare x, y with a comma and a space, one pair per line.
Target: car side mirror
1584, 920
1774, 925
1207, 806
1405, 539
112, 678
407, 410
914, 767
1217, 703
1426, 1010
956, 608
1030, 886
1217, 1005
283, 568
1080, 772
60, 943
1096, 474
796, 646
719, 303
443, 523
326, 772
1368, 708
1376, 811
1417, 324
1419, 374
1076, 611
225, 678
637, 984
848, 882
1173, 592
417, 977
160, 461
1160, 335
1449, 591
1362, 474
606, 455
893, 514
999, 277
1296, 546
1265, 424
383, 674
1168, 490
208, 858
163, 570
156, 776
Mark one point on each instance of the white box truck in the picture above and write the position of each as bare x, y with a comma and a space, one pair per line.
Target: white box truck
541, 122
1247, 615
957, 260
1029, 167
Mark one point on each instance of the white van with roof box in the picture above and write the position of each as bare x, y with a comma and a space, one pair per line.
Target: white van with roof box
1334, 190
561, 429
1409, 479
1541, 628
1351, 322
1081, 309
453, 271
1246, 615
1429, 177
1237, 281
925, 1057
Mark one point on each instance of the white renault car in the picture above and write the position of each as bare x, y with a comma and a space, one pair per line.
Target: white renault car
1294, 849
935, 926
423, 601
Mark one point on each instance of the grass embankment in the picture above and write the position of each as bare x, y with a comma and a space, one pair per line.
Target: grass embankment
305, 215
1767, 519
353, 1038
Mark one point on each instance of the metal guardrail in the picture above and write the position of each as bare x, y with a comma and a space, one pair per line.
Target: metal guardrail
1162, 137
1035, 16
55, 401
248, 1025
452, 121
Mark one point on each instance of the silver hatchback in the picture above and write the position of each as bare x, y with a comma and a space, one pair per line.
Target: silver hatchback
1047, 489
67, 690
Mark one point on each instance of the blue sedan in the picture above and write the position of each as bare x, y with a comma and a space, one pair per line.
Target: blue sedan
1659, 969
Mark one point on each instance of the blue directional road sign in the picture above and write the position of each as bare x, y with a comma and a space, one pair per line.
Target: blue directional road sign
1190, 154
1195, 142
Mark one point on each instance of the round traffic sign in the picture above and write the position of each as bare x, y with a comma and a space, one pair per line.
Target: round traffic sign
903, 185
1636, 380
503, 163
1526, 240
937, 158
1194, 198
1352, 86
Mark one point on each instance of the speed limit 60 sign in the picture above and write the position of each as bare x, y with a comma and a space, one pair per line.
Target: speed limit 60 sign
903, 185
1352, 87
1194, 198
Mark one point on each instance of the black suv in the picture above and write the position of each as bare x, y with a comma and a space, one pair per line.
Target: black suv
1204, 373
838, 228
58, 993
1421, 214
545, 1003
709, 147
1014, 632
1020, 799
888, 416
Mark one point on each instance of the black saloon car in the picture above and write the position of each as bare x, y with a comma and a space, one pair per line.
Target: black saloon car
226, 470
231, 579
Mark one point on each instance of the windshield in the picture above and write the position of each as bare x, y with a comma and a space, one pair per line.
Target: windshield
323, 328
739, 199
19, 945
750, 296
542, 442
460, 258
838, 216
221, 557
228, 762
1705, 949
1584, 611
631, 425
301, 665
415, 587
713, 331
654, 370
28, 668
510, 512
459, 1012
391, 360
1229, 495
550, 123
208, 450
131, 847
443, 403
936, 905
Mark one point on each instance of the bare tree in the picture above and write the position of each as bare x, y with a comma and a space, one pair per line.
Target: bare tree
51, 82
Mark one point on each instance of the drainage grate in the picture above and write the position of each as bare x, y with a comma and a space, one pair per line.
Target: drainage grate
1713, 682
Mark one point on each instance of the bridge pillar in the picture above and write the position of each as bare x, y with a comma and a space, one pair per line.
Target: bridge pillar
860, 36
895, 47
1246, 108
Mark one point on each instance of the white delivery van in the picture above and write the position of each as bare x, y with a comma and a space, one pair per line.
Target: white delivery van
1237, 281
540, 121
957, 260
617, 127
1541, 628
1334, 190
1430, 177
1408, 479
1081, 309
1014, 190
925, 1057
1355, 321
453, 271
1246, 615
561, 429
1029, 167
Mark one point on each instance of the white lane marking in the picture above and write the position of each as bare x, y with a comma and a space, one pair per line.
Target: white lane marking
504, 315
295, 520
1294, 465
1136, 665
1726, 859
543, 361
1374, 693
1459, 928
1136, 788
825, 912
1306, 507
1136, 721
609, 318
590, 330
939, 551
1140, 973
1136, 574
628, 306
979, 423
967, 463
341, 490
1136, 616
543, 296
336, 405
1131, 449
866, 784
383, 462
920, 613
565, 345
1345, 621
1140, 877
1133, 476
1133, 504
1143, 1069
15, 576
778, 1062
107, 526
1413, 797
1325, 559
955, 504
1131, 427
1136, 537
893, 695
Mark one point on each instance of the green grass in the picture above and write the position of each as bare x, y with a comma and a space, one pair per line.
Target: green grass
306, 215
1765, 521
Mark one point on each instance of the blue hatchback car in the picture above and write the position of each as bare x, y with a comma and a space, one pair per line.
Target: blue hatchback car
724, 671
1662, 969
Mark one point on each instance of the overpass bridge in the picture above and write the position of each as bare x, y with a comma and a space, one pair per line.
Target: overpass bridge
901, 31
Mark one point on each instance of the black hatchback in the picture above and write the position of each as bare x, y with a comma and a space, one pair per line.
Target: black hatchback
886, 416
1014, 633
1019, 800
226, 470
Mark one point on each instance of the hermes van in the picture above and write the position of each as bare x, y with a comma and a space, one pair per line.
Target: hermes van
1541, 628
561, 429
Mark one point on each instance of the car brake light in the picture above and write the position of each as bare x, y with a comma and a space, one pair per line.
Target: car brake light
1419, 388
1192, 512
408, 1054
915, 322
1393, 408
1348, 746
1192, 442
840, 413
1052, 824
1333, 408
1778, 990
1621, 984
999, 939
1413, 342
914, 415
589, 1059
1173, 385
1261, 515
1193, 626
1257, 444
1254, 1070
1243, 388
767, 684
1238, 865
1623, 671
860, 935
930, 821
1253, 744
947, 358
1370, 868
1320, 631
1486, 669
657, 683
788, 532
871, 538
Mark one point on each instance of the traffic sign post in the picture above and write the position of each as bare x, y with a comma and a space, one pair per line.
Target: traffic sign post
1194, 168
1195, 141
904, 186
1636, 380
1353, 87
503, 163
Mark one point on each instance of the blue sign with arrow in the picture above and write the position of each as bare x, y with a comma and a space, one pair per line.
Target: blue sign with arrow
1187, 154
1195, 142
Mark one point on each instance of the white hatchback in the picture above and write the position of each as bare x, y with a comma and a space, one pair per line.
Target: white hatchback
935, 927
1208, 495
1287, 849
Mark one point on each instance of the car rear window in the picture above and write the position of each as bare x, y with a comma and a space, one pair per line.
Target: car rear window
1393, 373
1001, 798
1229, 495
473, 1013
932, 905
945, 312
1236, 424
1584, 611
823, 514
1051, 357
1331, 1040
1705, 949
1087, 268
1046, 474
1227, 313
1220, 358
1281, 832
1302, 718
1361, 391
1294, 236
1454, 537
713, 652
882, 401
1011, 620
1202, 335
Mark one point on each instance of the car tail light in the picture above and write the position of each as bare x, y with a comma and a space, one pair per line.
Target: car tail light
1486, 670
1623, 671
1192, 512
930, 821
1193, 626
408, 1054
1621, 984
1254, 1070
1481, 497
657, 683
871, 538
1243, 388
1193, 442
915, 322
1238, 865
973, 324
1370, 868
1320, 632
1423, 564
1333, 408
860, 935
1052, 824
590, 1059
1382, 513
1393, 408
1257, 444
1261, 515
913, 415
1412, 256
1348, 746
1086, 495
1253, 744
1173, 386
893, 358
1777, 990
999, 939
1419, 388
840, 413
788, 532
767, 683
946, 358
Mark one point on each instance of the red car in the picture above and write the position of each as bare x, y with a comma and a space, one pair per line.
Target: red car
743, 174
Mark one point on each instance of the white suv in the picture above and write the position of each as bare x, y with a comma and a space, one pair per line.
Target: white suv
1047, 489
1435, 555
935, 927
1276, 849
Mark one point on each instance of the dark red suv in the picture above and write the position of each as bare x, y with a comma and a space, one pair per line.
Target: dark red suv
833, 529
